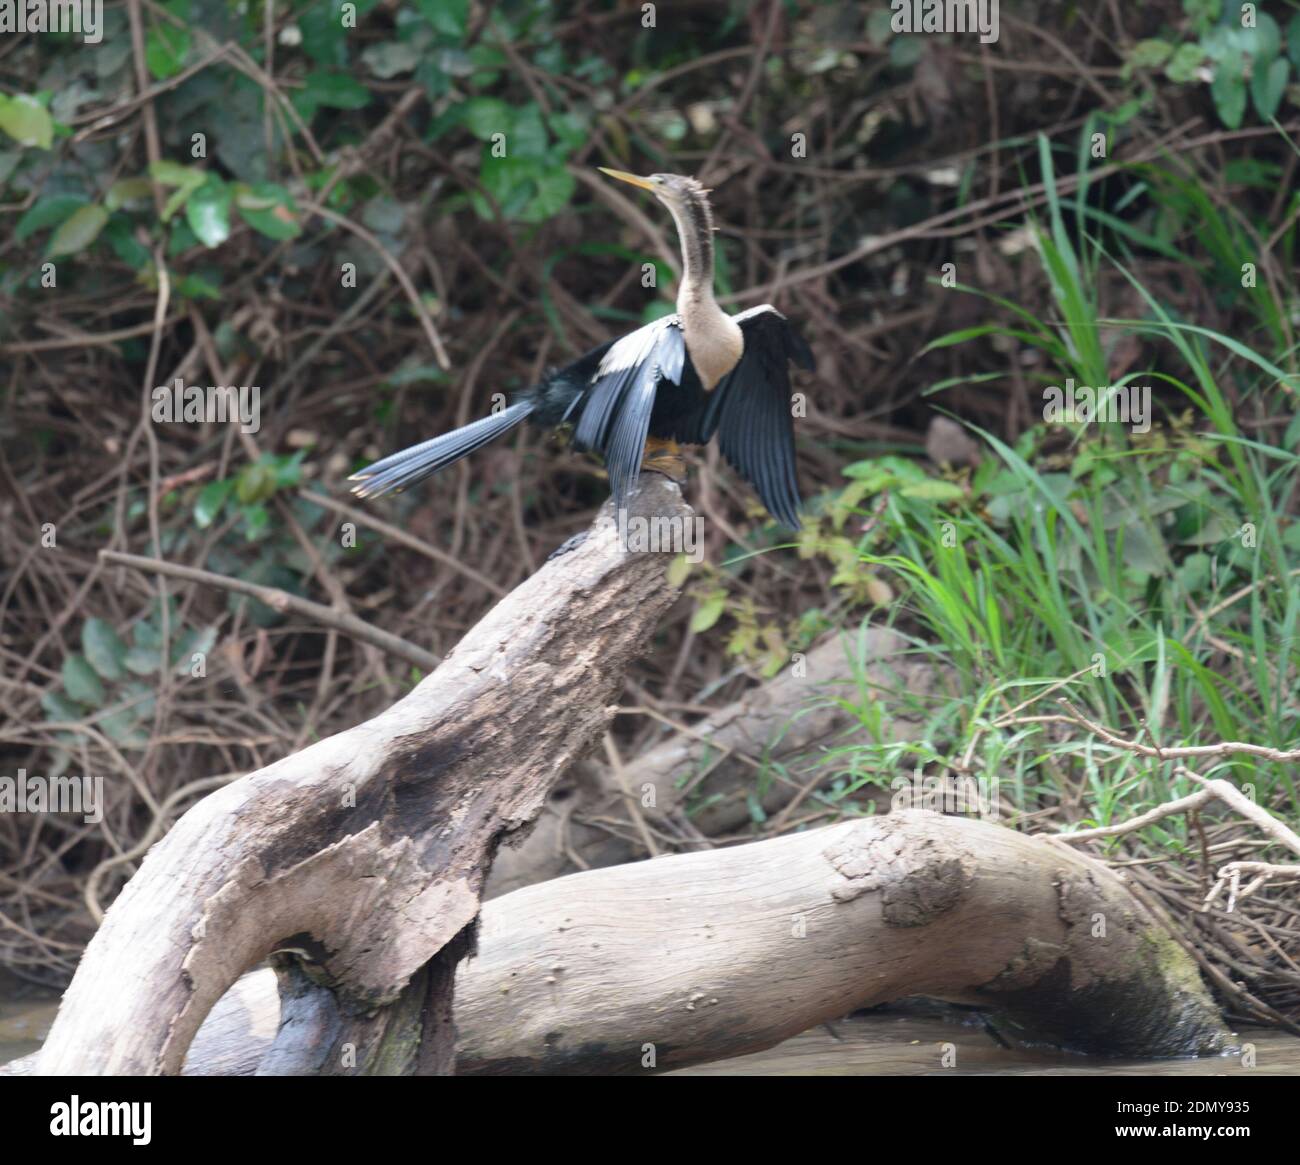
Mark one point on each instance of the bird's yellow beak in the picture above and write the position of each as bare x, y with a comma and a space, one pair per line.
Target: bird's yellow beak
624, 176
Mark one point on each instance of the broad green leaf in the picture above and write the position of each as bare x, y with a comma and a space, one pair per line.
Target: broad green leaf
256, 483
1183, 65
1264, 40
324, 39
174, 174
27, 121
179, 197
1229, 91
146, 634
450, 17
1267, 86
554, 190
81, 683
934, 490
142, 659
186, 179
485, 116
1203, 13
121, 237
277, 220
78, 232
196, 287
1149, 54
105, 649
332, 90
211, 501
708, 612
123, 727
246, 199
526, 135
208, 212
59, 708
257, 520
288, 469
48, 212
127, 190
166, 49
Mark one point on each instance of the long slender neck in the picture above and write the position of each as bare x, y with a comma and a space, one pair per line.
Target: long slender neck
712, 337
695, 231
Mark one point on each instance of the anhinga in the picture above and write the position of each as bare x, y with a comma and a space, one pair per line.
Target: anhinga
683, 378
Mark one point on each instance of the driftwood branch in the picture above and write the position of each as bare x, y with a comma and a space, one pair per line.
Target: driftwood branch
715, 954
698, 957
791, 719
367, 851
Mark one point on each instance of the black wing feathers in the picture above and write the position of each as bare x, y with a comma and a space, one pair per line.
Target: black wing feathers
750, 411
616, 410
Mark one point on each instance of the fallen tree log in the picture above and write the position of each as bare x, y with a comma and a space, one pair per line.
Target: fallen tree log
366, 853
789, 720
698, 957
707, 955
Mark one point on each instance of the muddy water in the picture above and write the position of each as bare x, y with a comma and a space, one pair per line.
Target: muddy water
872, 1045
912, 1045
23, 1024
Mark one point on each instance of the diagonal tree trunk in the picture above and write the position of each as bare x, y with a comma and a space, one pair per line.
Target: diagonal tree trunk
368, 851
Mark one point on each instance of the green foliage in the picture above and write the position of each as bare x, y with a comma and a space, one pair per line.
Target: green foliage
27, 120
245, 495
1241, 56
1103, 563
109, 682
328, 62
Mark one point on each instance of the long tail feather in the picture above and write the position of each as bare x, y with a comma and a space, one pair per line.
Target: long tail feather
419, 461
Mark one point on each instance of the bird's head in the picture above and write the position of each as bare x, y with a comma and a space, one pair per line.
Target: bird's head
675, 191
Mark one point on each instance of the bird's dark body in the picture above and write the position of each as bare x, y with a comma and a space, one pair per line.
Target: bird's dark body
553, 399
677, 413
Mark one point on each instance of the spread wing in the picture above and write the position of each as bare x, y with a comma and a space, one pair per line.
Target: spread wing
750, 411
616, 407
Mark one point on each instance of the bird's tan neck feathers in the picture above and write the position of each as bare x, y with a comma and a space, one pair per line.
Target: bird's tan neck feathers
713, 338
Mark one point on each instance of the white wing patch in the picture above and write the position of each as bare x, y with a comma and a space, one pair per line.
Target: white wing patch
751, 312
633, 349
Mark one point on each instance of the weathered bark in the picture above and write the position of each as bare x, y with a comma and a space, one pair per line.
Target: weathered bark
368, 850
708, 955
715, 954
788, 720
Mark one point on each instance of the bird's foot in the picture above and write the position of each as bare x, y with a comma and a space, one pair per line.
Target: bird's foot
569, 545
662, 456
